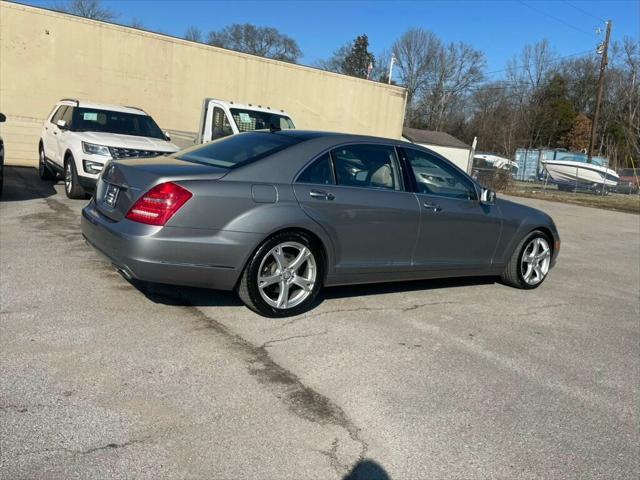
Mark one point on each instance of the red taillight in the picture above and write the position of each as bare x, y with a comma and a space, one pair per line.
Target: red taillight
159, 204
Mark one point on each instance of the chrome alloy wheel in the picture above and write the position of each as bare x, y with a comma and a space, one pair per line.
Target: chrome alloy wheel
287, 275
68, 176
535, 262
41, 164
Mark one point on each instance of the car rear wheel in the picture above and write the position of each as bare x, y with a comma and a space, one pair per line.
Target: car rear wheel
43, 170
283, 277
72, 186
530, 263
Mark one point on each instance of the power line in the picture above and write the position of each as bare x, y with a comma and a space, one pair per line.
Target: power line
580, 9
558, 19
555, 60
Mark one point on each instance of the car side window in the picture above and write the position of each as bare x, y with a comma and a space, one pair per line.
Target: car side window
220, 125
371, 166
434, 177
58, 115
319, 172
67, 116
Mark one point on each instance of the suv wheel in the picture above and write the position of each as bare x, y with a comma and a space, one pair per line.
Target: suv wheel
72, 186
530, 263
43, 170
283, 277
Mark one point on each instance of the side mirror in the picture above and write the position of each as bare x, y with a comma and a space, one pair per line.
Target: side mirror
62, 124
3, 117
167, 136
487, 196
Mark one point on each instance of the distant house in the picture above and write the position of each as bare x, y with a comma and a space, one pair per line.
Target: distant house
454, 150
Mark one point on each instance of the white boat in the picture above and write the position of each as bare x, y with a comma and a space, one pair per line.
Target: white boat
497, 162
569, 173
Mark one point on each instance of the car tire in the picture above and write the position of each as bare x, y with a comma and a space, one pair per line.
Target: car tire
530, 263
43, 170
72, 186
289, 261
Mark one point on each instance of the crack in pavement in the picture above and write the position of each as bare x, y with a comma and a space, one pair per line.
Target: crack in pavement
359, 309
300, 399
268, 343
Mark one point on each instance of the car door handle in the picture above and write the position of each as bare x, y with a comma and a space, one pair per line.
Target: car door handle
432, 206
321, 194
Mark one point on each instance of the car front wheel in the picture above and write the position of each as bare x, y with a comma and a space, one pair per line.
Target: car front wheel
530, 262
284, 276
72, 186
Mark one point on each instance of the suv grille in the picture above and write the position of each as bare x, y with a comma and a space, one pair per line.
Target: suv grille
132, 153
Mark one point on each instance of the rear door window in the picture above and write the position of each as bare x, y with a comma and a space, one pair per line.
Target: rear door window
320, 172
369, 166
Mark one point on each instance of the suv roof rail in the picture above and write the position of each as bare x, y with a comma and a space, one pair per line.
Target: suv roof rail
71, 100
136, 108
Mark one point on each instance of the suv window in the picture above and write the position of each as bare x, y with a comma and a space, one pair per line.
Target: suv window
58, 115
67, 116
434, 177
221, 126
232, 151
319, 172
97, 120
372, 166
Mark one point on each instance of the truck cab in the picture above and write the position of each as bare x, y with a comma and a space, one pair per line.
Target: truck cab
220, 119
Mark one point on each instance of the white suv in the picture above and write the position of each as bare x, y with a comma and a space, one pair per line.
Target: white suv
78, 138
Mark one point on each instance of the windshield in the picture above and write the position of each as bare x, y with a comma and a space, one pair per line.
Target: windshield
249, 120
629, 172
230, 152
96, 120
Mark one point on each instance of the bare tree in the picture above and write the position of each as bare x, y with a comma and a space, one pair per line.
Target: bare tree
193, 34
415, 52
136, 23
262, 41
87, 8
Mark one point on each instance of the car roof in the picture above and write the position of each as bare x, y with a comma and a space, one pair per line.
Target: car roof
102, 106
337, 136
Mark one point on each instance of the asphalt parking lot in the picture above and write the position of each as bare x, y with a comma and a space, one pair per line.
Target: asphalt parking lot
468, 379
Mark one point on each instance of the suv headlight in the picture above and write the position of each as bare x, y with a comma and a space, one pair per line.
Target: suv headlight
94, 149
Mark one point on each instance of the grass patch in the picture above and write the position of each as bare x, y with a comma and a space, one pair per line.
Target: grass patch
617, 202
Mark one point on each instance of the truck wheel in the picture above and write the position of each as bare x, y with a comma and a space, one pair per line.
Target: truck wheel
72, 186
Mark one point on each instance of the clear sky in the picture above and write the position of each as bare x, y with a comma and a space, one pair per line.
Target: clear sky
500, 28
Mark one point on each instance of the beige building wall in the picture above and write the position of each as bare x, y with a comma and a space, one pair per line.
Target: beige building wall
46, 56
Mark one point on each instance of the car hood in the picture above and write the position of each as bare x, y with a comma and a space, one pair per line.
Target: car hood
128, 141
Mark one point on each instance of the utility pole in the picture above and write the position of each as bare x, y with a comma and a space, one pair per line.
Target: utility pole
393, 60
596, 113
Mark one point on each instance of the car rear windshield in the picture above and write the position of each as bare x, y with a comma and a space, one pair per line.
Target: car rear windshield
249, 120
97, 120
233, 151
629, 172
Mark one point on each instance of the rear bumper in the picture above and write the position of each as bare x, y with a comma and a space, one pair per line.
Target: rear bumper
175, 256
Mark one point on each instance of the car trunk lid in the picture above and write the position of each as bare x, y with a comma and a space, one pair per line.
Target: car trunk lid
123, 182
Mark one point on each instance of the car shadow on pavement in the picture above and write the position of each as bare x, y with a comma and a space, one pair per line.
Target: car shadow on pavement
367, 470
23, 183
202, 297
186, 296
403, 286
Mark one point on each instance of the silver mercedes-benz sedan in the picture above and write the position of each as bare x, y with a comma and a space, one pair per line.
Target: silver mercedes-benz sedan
275, 215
